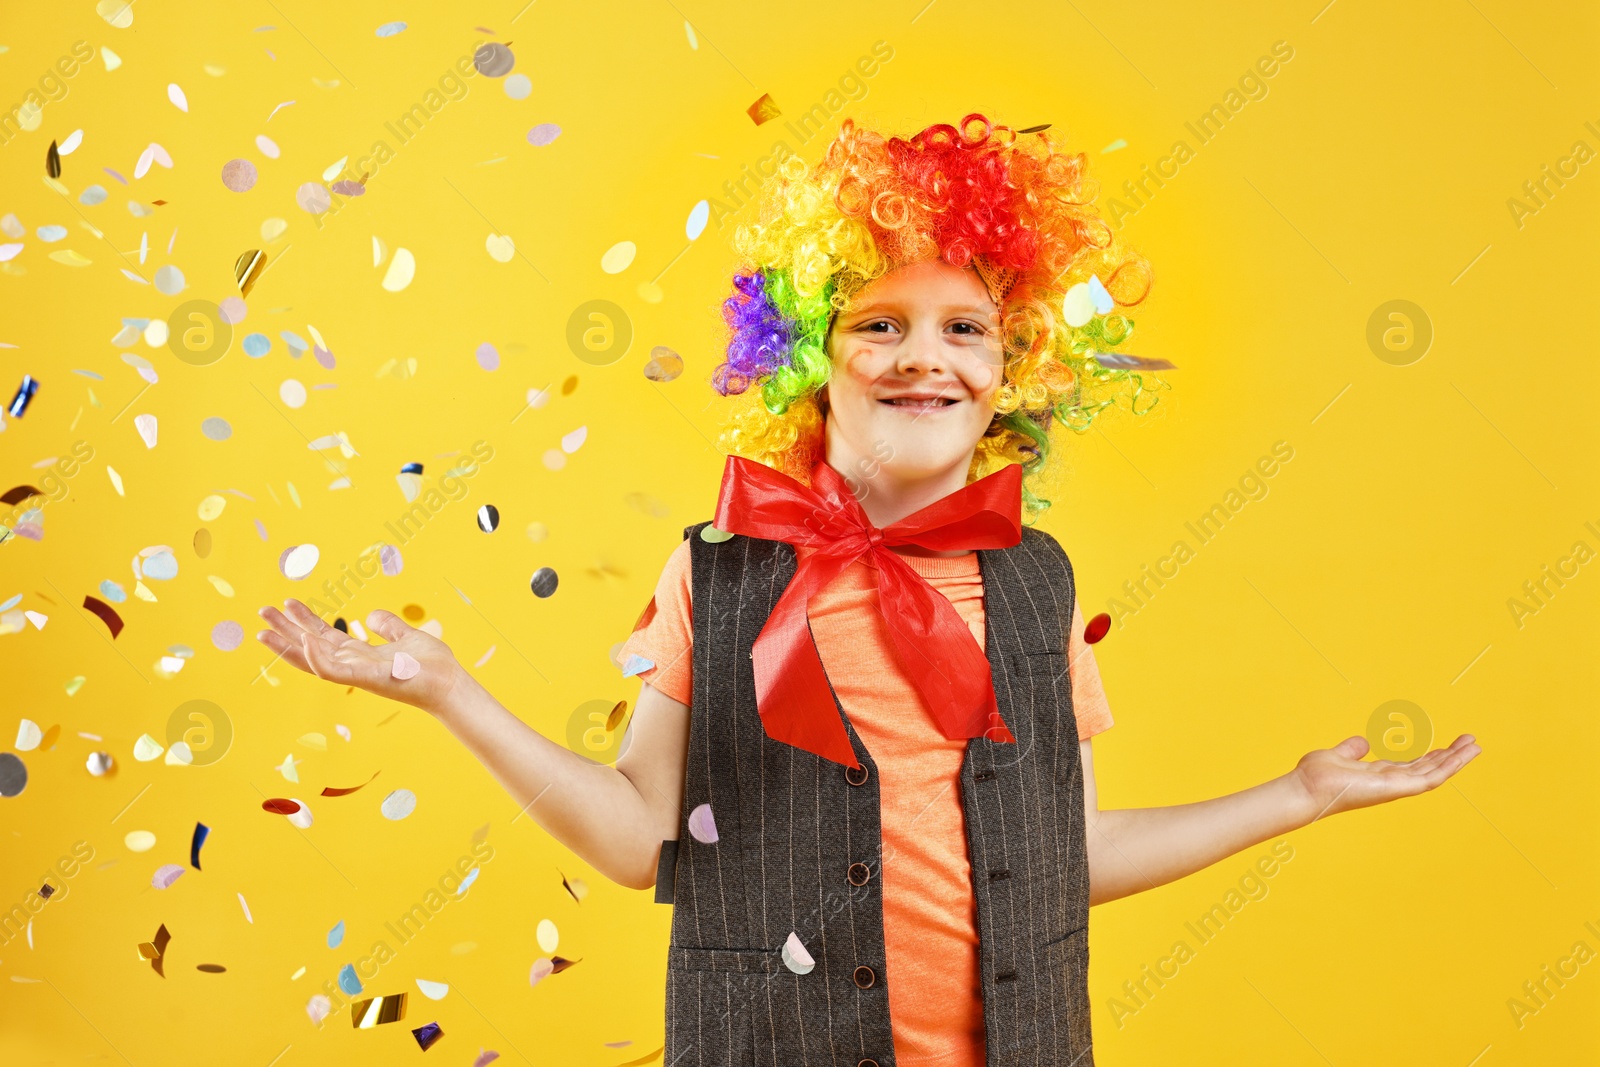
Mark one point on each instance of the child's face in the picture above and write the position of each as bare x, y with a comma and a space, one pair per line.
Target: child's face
916, 363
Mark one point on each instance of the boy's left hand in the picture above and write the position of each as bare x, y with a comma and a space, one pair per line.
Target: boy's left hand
1338, 779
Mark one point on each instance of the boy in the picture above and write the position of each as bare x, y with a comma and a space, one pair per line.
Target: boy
860, 765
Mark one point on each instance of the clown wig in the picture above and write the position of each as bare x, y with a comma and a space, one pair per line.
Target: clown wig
1013, 206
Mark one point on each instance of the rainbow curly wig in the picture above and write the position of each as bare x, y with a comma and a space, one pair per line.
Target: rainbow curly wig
1013, 206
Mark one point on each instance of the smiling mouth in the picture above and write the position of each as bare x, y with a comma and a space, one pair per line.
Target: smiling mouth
919, 403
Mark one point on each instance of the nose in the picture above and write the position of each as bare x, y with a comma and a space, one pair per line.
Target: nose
921, 353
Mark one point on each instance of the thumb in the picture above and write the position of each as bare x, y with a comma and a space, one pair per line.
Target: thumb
1352, 747
387, 625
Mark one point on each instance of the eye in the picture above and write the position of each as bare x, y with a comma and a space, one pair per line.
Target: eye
968, 329
877, 326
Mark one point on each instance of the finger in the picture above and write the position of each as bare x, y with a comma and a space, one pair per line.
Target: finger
1352, 747
1447, 768
387, 625
282, 623
284, 649
311, 622
323, 665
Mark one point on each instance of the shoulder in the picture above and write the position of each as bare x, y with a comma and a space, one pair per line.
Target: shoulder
1043, 547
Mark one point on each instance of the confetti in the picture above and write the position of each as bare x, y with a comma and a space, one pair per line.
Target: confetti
547, 935
336, 935
389, 29
280, 806
542, 968
24, 396
348, 982
301, 818
318, 1008
179, 101
544, 582
433, 990
636, 664
245, 905
543, 134
574, 440
618, 257
267, 146
712, 535
1097, 628
404, 666
698, 216
763, 110
147, 748
28, 736
519, 86
1035, 129
211, 507
165, 875
257, 345
494, 60
293, 393
701, 826
179, 755
664, 366
140, 841
1120, 359
401, 270
694, 41
70, 145
169, 280
216, 429
146, 425
13, 775
427, 1035
795, 956
298, 561
346, 791
378, 1010
399, 804
313, 198
1077, 306
488, 357
488, 518
201, 832
155, 949
501, 249
210, 968
247, 268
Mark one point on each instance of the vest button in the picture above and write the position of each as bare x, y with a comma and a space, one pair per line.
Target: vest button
856, 775
864, 976
859, 874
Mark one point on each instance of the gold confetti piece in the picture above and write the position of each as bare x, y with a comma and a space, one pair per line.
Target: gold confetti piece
500, 247
763, 110
52, 161
656, 1055
401, 270
247, 268
332, 792
71, 257
212, 506
1035, 129
155, 950
221, 585
614, 719
377, 1010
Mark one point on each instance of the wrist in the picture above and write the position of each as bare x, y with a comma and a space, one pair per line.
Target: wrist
1301, 802
453, 697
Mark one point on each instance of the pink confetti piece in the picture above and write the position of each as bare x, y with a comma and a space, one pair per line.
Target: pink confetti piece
165, 875
701, 826
404, 666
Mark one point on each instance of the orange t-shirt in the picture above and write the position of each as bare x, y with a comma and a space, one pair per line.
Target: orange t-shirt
929, 912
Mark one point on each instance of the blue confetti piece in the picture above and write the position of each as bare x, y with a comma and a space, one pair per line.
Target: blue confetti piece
11, 603
636, 664
336, 935
348, 980
389, 29
427, 1034
93, 195
411, 468
25, 391
52, 233
257, 345
1102, 299
201, 832
112, 591
472, 876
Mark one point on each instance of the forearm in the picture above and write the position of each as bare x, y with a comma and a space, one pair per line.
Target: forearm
592, 808
1134, 849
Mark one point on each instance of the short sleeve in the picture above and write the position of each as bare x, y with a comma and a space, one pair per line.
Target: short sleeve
665, 635
1089, 702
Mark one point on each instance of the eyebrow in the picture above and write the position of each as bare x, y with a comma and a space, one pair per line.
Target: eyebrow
976, 309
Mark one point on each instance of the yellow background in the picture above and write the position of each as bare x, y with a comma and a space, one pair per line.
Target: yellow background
1379, 567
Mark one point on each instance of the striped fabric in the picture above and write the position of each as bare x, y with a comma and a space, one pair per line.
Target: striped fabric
790, 824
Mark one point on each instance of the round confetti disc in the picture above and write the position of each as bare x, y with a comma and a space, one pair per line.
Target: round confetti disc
543, 134
494, 60
279, 806
313, 197
227, 635
664, 365
488, 518
216, 429
239, 175
544, 582
13, 775
399, 804
99, 763
1097, 628
518, 86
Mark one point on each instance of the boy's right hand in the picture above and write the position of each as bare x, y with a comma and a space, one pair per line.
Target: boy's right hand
300, 637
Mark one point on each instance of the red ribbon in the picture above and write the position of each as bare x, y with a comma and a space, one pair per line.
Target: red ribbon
934, 646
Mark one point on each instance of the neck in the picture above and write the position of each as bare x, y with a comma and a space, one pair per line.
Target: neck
888, 496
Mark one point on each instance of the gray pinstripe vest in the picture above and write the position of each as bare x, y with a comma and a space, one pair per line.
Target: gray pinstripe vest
791, 825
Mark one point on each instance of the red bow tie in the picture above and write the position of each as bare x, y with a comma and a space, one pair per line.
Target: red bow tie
934, 646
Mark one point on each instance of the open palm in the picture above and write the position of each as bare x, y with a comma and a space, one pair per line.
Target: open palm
1338, 779
304, 640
